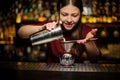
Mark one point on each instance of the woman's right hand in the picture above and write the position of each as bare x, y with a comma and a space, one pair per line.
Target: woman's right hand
51, 25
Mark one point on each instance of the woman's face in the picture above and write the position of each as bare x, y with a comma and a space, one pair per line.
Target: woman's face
69, 15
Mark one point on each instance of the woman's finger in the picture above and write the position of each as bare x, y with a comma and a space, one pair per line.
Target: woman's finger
93, 31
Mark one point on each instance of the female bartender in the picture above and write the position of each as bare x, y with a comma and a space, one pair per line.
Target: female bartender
70, 20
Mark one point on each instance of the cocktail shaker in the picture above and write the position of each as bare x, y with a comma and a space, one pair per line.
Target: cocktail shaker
45, 36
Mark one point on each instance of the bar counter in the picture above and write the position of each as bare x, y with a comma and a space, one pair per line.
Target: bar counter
55, 71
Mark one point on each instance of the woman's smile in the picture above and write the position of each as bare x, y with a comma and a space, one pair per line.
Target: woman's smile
69, 26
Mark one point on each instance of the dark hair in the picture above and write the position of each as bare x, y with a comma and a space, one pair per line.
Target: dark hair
77, 3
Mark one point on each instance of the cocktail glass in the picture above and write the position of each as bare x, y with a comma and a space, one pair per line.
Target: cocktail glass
67, 58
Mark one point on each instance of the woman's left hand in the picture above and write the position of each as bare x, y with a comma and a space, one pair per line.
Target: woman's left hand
90, 35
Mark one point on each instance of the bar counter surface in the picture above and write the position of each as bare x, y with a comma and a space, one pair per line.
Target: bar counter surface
55, 71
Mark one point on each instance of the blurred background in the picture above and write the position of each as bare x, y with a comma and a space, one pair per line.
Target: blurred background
101, 14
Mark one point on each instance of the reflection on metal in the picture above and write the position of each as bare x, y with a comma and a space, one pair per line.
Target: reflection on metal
46, 36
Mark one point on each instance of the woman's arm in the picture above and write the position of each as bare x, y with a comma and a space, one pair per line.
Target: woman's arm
26, 30
93, 52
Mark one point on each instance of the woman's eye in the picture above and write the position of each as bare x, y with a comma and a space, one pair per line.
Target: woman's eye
74, 15
64, 14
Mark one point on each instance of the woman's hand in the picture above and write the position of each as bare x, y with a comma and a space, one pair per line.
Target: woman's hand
50, 26
90, 35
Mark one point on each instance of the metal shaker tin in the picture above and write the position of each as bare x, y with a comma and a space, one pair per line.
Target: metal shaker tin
46, 36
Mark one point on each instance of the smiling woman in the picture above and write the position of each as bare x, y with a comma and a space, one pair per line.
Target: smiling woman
70, 12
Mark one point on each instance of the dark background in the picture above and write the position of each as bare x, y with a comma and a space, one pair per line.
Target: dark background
5, 5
